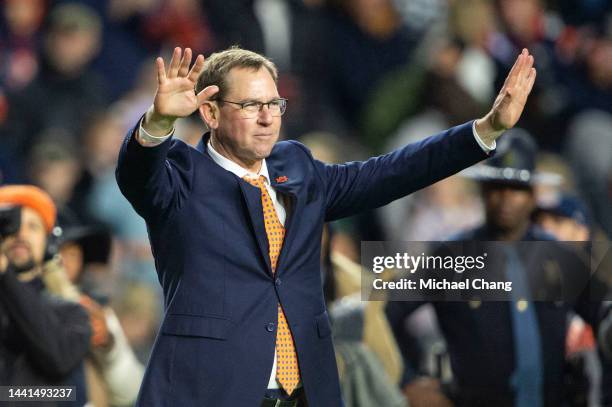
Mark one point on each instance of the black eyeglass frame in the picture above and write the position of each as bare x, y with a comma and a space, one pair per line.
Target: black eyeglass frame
282, 106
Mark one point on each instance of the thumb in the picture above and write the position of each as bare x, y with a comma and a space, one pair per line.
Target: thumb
206, 93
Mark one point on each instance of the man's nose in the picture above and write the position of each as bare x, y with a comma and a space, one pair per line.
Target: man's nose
264, 116
22, 233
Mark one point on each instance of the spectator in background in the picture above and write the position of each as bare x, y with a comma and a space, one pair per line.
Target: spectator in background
138, 309
588, 150
581, 12
588, 79
104, 201
527, 23
417, 89
235, 22
19, 41
358, 43
180, 22
113, 372
588, 143
123, 40
65, 91
20, 22
43, 340
473, 22
55, 167
338, 91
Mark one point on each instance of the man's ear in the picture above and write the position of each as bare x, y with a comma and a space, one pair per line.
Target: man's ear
209, 113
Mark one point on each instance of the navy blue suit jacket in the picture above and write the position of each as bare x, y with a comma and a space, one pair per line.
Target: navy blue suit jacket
206, 227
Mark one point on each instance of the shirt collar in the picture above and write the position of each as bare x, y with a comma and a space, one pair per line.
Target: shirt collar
236, 169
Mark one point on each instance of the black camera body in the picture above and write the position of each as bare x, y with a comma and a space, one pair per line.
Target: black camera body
10, 221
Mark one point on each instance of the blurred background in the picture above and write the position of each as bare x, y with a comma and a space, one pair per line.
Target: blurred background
362, 77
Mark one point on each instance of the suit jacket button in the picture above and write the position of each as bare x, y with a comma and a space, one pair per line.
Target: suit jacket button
270, 327
277, 282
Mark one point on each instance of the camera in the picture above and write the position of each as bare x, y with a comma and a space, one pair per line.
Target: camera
10, 221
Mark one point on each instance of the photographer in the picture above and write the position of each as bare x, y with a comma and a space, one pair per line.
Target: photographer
43, 339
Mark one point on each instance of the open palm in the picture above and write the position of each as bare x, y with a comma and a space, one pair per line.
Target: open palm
176, 95
510, 101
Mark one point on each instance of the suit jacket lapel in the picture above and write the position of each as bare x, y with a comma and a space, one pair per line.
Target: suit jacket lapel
252, 197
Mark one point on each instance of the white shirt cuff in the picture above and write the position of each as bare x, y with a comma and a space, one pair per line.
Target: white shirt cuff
148, 140
487, 149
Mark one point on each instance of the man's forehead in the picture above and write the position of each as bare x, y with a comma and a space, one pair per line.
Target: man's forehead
247, 83
29, 214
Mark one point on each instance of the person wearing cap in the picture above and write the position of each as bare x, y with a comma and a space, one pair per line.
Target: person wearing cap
43, 339
113, 372
567, 219
245, 321
504, 353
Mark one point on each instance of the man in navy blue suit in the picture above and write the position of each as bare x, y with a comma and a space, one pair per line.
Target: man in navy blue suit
235, 227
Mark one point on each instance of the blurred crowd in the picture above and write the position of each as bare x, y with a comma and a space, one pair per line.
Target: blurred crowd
362, 77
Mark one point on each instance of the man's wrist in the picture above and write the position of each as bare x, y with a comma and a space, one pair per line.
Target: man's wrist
156, 125
486, 132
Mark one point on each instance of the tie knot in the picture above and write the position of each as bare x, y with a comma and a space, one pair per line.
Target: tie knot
257, 182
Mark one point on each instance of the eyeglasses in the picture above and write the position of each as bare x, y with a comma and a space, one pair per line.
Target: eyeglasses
250, 109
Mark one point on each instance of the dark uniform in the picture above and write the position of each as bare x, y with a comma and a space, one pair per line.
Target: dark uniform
480, 341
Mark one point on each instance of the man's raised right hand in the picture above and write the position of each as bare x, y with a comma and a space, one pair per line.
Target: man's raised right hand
176, 95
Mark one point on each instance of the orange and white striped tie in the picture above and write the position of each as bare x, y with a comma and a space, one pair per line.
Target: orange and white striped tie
287, 369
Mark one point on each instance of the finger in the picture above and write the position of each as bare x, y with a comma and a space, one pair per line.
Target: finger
206, 93
197, 68
185, 62
513, 73
526, 71
161, 70
523, 92
530, 81
174, 63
